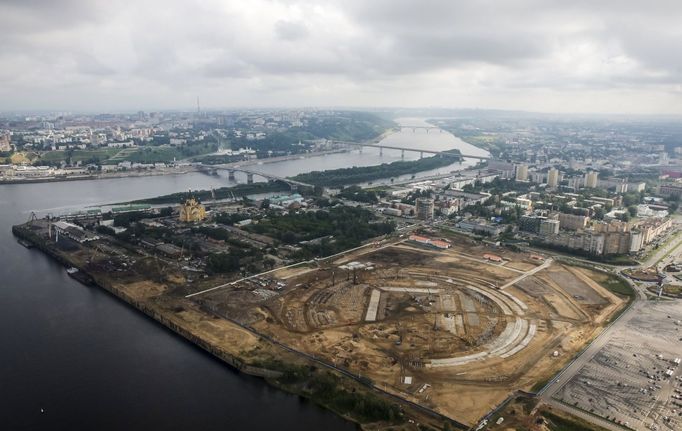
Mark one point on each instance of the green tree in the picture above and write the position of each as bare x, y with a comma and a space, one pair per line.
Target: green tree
222, 262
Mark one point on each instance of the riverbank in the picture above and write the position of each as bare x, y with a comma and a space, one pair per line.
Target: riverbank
105, 176
180, 170
471, 136
238, 346
356, 175
231, 192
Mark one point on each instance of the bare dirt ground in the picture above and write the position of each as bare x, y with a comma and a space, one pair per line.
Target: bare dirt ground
430, 325
438, 331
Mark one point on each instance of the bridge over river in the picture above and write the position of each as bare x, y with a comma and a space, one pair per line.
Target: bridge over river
447, 153
244, 166
231, 168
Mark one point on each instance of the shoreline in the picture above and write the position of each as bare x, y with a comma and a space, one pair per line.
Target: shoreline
231, 359
88, 280
92, 177
155, 173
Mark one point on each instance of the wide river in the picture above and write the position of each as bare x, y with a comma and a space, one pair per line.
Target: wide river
76, 358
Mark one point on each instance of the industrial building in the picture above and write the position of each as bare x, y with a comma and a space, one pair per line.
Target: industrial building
72, 231
481, 226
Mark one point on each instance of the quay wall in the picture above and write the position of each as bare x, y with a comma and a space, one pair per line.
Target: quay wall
24, 233
27, 235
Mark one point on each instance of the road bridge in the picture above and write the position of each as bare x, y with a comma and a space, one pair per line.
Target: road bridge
414, 128
232, 169
381, 147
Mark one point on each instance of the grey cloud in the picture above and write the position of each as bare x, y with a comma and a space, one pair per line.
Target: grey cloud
371, 49
292, 31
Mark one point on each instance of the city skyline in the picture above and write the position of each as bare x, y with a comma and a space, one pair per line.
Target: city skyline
524, 55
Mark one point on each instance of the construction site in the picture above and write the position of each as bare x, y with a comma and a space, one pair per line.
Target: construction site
455, 328
441, 320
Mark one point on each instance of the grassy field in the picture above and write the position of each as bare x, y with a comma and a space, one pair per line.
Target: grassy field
22, 157
112, 156
148, 155
80, 155
556, 422
618, 286
121, 156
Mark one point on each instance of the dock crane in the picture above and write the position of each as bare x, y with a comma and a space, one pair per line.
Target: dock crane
161, 269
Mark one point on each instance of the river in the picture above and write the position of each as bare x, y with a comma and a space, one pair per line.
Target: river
75, 357
432, 140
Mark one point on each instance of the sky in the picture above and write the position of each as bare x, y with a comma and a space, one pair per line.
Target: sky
577, 56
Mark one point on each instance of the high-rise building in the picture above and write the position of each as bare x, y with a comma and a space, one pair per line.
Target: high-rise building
521, 172
573, 221
530, 223
549, 227
553, 178
424, 208
5, 143
592, 179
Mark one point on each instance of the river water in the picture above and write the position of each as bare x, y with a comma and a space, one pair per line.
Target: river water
433, 140
90, 361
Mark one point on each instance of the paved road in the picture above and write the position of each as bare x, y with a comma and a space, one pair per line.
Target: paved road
669, 247
546, 264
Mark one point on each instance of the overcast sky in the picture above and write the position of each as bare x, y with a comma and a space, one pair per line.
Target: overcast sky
609, 56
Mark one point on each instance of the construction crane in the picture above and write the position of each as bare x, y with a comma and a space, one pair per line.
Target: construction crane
160, 269
182, 252
94, 254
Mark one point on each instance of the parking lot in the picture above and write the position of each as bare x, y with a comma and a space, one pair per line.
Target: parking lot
635, 380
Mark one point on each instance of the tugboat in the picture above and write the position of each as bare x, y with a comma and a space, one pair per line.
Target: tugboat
79, 276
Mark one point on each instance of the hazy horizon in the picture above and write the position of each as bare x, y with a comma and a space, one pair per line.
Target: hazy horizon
614, 57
